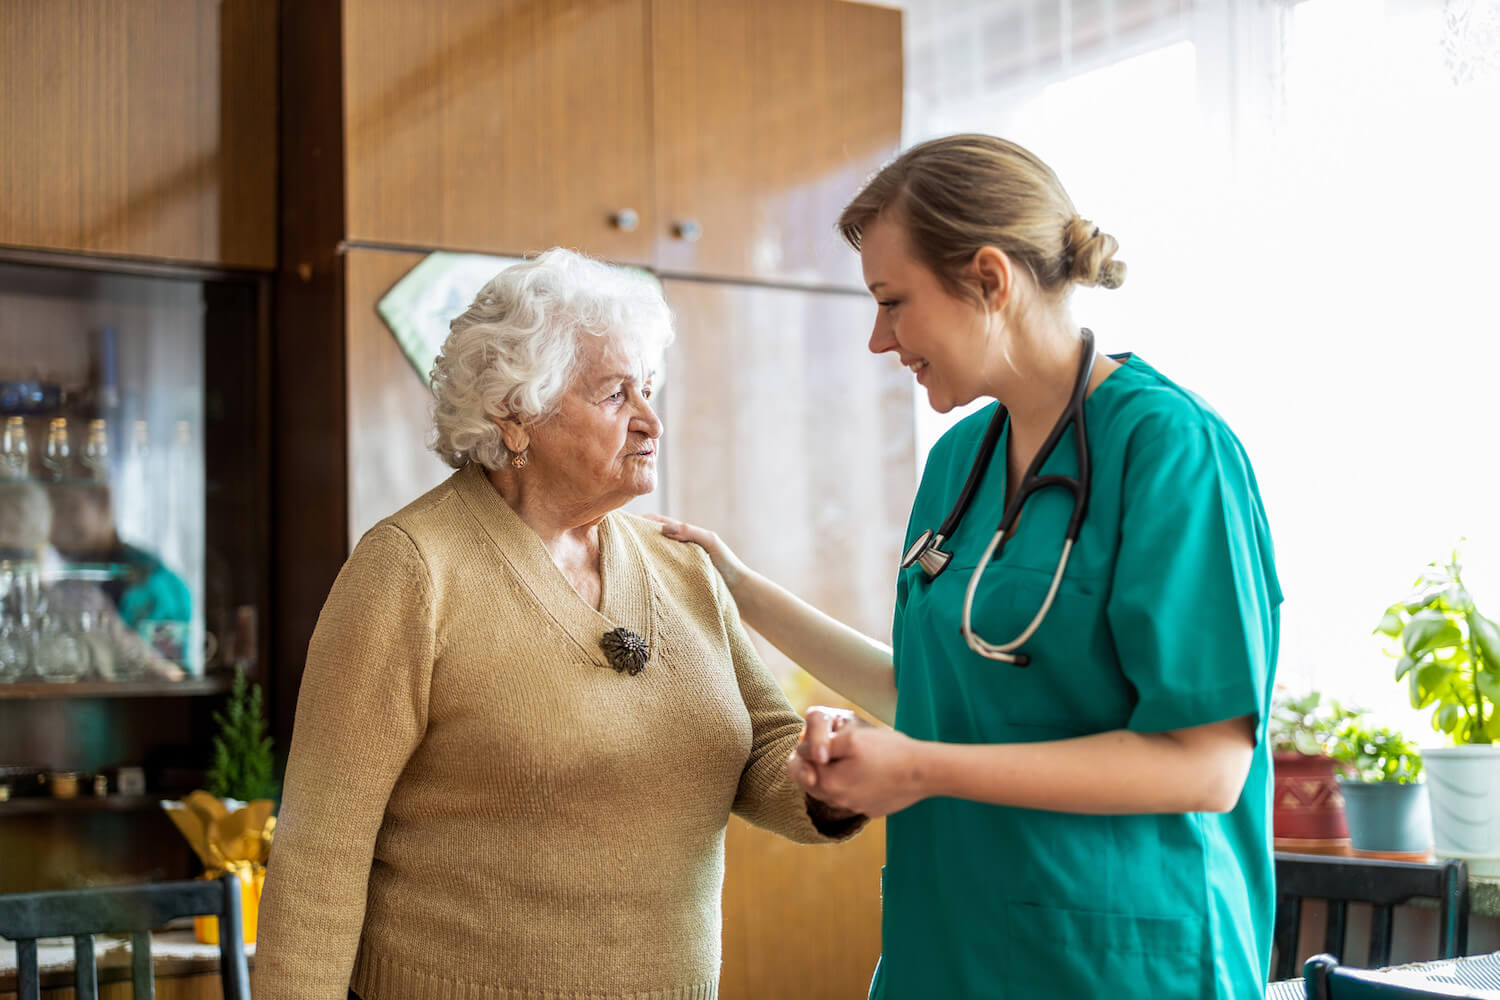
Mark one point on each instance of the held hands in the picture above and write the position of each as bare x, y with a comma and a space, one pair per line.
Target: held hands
855, 766
725, 561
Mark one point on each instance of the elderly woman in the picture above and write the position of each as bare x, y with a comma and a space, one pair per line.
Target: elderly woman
526, 717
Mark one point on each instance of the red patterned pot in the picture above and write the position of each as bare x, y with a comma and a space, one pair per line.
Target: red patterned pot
1306, 801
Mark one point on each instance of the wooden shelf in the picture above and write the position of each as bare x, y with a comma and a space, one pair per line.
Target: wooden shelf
216, 684
83, 803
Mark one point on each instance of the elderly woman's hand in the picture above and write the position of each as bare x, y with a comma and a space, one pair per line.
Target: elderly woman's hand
856, 766
725, 561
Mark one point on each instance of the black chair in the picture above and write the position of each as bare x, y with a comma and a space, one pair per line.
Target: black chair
1384, 885
1326, 980
135, 910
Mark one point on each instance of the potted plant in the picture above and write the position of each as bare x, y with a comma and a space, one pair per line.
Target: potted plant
1449, 657
1307, 809
230, 824
1385, 801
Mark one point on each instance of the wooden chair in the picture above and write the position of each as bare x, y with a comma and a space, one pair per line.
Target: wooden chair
1326, 980
1384, 885
135, 910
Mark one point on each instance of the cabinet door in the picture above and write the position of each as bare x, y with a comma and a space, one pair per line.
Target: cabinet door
502, 127
389, 407
141, 129
785, 435
768, 116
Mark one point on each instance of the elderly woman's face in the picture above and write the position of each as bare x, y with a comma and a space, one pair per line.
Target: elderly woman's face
601, 445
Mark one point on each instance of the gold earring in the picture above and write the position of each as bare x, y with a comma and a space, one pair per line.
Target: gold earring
518, 461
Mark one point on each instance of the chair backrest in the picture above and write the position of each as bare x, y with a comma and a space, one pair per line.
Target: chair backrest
1384, 885
135, 910
1326, 980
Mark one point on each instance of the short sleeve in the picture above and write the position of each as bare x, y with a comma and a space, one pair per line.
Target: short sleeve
1194, 602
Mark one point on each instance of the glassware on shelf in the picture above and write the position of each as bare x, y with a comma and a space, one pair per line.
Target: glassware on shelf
103, 657
56, 458
96, 452
15, 450
16, 637
61, 653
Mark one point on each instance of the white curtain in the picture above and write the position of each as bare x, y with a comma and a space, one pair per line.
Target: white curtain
1308, 198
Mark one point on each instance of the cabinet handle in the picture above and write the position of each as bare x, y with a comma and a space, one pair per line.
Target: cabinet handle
688, 230
625, 220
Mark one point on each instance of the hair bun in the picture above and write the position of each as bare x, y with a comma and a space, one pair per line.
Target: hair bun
1092, 252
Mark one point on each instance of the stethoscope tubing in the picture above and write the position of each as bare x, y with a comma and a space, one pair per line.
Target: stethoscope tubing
927, 549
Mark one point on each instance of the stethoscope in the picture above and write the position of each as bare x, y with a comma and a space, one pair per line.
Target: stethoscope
927, 549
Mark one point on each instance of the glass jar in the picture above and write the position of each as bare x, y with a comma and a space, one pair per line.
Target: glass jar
61, 653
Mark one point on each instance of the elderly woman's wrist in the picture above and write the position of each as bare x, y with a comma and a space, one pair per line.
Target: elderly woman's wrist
832, 821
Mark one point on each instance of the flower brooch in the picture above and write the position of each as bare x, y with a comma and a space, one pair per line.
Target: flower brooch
627, 652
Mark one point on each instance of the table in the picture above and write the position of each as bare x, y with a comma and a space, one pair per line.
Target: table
1475, 976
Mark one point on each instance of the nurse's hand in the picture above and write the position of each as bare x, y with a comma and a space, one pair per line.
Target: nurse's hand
854, 765
725, 561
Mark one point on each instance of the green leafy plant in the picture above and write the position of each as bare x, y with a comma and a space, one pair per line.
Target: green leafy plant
1305, 724
242, 767
1375, 754
1449, 654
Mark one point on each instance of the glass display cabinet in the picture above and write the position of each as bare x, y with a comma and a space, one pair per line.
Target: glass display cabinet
134, 535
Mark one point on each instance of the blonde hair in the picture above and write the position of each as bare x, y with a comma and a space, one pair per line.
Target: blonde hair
515, 350
960, 193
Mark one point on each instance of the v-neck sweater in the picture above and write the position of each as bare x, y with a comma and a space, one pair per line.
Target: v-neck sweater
477, 805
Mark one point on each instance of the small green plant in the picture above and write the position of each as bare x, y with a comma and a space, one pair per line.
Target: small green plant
1304, 724
242, 767
1449, 654
1375, 754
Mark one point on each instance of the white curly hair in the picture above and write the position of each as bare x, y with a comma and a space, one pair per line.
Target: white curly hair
514, 352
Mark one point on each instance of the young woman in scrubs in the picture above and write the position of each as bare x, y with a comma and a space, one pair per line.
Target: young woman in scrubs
1094, 823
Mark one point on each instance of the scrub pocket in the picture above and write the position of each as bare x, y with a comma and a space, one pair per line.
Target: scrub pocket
1057, 951
1073, 683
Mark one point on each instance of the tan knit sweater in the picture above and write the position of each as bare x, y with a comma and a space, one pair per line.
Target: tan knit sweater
478, 806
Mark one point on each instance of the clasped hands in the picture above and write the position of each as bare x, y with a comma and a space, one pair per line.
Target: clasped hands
854, 766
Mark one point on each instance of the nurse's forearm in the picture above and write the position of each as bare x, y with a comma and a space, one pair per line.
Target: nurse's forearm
1201, 769
845, 659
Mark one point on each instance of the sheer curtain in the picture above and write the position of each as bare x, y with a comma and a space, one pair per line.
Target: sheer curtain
1308, 198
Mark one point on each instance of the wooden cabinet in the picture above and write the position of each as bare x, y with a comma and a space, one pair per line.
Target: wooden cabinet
505, 127
734, 133
141, 129
766, 119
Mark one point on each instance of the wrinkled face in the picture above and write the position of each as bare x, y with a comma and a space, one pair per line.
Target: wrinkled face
939, 336
599, 450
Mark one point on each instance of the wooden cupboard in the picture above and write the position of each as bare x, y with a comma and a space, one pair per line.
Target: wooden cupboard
765, 119
712, 139
502, 127
143, 129
510, 127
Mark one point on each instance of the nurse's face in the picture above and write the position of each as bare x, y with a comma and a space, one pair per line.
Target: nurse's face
940, 337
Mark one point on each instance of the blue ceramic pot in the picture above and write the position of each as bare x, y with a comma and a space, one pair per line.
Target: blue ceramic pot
1387, 817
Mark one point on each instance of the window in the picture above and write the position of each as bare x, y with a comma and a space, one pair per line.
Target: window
1305, 195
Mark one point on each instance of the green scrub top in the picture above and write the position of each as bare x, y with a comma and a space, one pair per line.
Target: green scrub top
1167, 617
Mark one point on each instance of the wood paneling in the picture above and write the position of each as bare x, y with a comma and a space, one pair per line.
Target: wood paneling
767, 118
505, 127
141, 129
310, 482
800, 921
389, 407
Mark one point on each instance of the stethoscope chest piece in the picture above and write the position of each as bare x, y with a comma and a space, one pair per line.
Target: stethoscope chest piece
927, 551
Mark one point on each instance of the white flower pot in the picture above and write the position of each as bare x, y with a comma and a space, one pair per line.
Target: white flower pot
1463, 784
